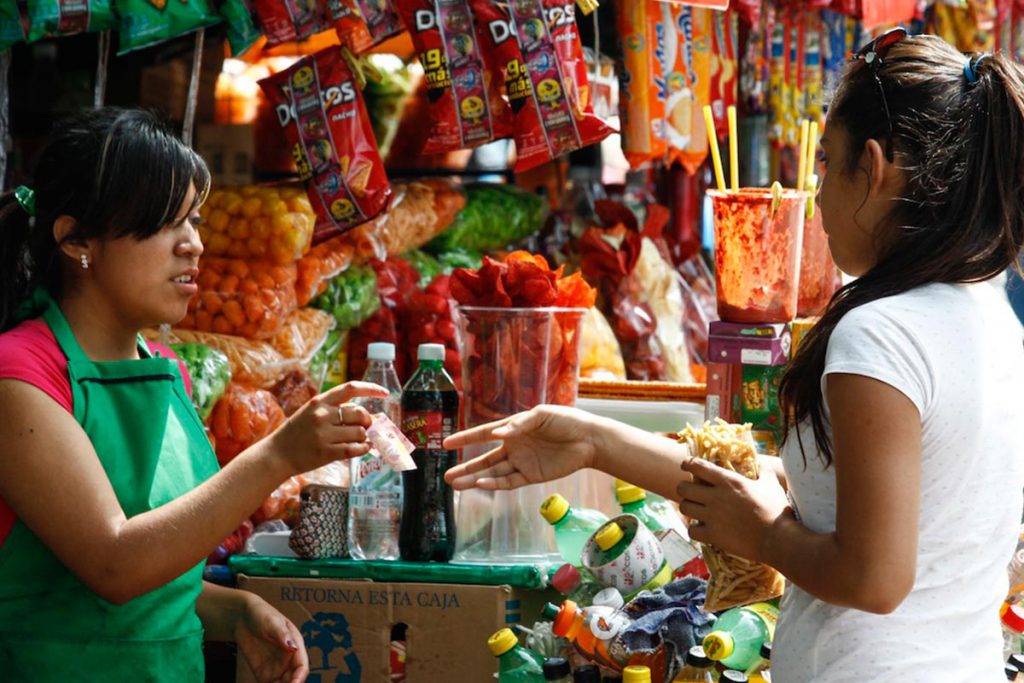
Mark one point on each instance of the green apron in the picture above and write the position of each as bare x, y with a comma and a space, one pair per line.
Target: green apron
153, 447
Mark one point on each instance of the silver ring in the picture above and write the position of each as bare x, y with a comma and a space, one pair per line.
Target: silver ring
341, 417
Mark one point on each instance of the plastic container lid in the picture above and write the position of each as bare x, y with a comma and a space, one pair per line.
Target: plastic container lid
1016, 660
1011, 672
566, 579
718, 645
731, 676
608, 535
554, 508
380, 351
1013, 617
502, 641
696, 657
609, 597
636, 674
766, 651
430, 352
556, 668
629, 494
588, 673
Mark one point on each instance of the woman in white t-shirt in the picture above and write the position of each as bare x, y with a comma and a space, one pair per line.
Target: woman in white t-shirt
898, 495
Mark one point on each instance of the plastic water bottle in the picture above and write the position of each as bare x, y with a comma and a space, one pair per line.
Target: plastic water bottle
633, 500
516, 664
759, 672
573, 527
574, 585
739, 634
375, 499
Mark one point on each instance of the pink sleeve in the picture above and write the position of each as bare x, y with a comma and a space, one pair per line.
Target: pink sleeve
164, 352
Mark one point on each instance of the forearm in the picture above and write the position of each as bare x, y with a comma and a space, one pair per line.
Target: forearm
220, 608
770, 464
644, 459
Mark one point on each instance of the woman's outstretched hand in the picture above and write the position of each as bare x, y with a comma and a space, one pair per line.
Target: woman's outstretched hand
542, 444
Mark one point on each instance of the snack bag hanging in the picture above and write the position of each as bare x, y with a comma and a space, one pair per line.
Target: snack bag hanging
641, 84
723, 69
321, 110
776, 82
792, 95
146, 22
834, 50
813, 74
362, 24
537, 50
466, 106
698, 55
241, 29
287, 21
753, 76
50, 18
12, 30
679, 104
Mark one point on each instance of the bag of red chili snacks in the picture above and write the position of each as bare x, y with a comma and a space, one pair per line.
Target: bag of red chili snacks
361, 24
321, 110
535, 47
466, 106
286, 21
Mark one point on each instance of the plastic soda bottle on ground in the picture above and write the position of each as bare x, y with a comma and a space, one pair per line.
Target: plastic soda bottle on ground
636, 674
1012, 617
613, 541
759, 672
573, 527
430, 413
574, 585
732, 676
568, 622
633, 500
587, 673
375, 498
698, 667
516, 664
557, 669
739, 634
662, 510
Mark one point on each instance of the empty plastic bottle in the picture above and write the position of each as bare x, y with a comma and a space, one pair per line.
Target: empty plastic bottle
516, 664
573, 527
698, 668
739, 634
633, 501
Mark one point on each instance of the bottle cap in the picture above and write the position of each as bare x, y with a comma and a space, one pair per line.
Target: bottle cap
718, 645
1013, 617
731, 676
696, 657
608, 535
380, 351
1010, 671
766, 651
549, 611
588, 673
502, 641
1016, 660
566, 579
564, 621
612, 679
636, 674
629, 494
430, 352
556, 668
609, 597
554, 508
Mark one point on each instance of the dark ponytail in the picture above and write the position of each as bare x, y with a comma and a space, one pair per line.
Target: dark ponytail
116, 172
960, 144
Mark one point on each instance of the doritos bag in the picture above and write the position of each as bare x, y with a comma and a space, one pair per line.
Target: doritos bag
147, 22
466, 106
49, 18
361, 24
537, 50
324, 118
286, 21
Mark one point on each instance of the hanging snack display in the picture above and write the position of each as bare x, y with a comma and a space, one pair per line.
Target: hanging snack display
267, 223
147, 22
243, 298
642, 84
51, 18
286, 21
321, 110
362, 24
242, 31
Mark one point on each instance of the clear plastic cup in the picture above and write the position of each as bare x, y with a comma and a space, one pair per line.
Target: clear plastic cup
757, 254
819, 276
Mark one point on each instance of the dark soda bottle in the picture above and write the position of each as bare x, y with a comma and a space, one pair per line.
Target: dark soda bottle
430, 413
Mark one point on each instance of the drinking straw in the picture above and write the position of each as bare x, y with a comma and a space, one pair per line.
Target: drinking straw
812, 176
812, 187
716, 156
734, 156
801, 176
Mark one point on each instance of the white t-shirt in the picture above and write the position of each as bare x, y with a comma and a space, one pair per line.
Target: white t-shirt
955, 351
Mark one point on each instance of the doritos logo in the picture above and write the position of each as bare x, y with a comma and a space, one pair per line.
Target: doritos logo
331, 97
501, 31
425, 20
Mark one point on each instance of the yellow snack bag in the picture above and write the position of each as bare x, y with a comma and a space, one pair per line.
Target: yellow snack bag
641, 104
699, 68
675, 65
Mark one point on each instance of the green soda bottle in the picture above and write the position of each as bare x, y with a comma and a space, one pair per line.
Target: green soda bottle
739, 634
572, 527
516, 664
633, 500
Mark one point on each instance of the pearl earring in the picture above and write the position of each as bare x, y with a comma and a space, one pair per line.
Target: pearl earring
85, 261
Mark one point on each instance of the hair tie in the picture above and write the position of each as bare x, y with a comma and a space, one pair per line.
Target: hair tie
971, 68
26, 199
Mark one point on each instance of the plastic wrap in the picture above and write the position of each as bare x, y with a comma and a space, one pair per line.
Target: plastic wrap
147, 22
420, 211
209, 371
286, 21
246, 299
254, 363
323, 263
241, 29
430, 319
283, 503
303, 334
242, 417
329, 366
259, 223
386, 98
294, 390
600, 355
662, 292
351, 297
494, 217
52, 18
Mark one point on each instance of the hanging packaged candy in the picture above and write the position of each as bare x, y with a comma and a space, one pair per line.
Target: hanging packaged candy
241, 29
791, 90
466, 106
287, 21
147, 22
361, 24
538, 53
50, 18
679, 105
723, 69
755, 46
641, 84
777, 80
813, 73
698, 55
321, 110
12, 29
834, 50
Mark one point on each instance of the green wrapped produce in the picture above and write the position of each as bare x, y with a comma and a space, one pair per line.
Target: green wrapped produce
328, 363
495, 217
459, 258
351, 297
386, 99
50, 18
428, 266
209, 371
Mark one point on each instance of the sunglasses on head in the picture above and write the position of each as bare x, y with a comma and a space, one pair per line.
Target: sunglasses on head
873, 55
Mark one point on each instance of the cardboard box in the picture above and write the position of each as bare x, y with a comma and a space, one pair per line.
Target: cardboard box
742, 344
347, 626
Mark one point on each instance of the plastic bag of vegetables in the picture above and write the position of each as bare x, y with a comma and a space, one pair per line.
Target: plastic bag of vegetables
494, 217
351, 297
210, 372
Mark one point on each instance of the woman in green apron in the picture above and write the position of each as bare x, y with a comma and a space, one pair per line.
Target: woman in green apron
114, 499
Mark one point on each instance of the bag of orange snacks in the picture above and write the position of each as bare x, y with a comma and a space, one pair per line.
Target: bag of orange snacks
242, 298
